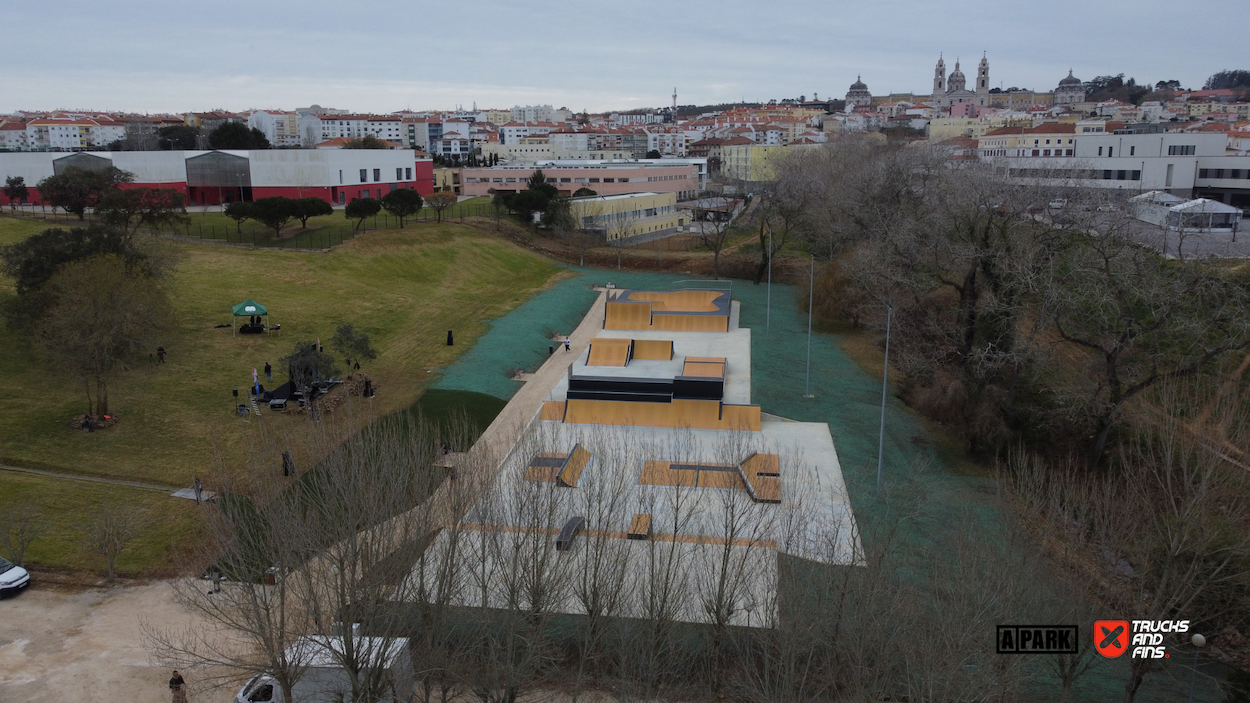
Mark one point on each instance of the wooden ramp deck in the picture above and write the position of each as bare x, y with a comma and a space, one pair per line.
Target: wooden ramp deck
693, 414
606, 351
762, 474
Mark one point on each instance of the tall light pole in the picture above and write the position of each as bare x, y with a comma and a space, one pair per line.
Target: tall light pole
811, 287
885, 377
768, 305
1199, 642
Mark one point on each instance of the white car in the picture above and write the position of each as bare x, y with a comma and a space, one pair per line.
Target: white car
260, 689
13, 578
1058, 204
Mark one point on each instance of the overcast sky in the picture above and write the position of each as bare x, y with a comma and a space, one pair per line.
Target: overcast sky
384, 55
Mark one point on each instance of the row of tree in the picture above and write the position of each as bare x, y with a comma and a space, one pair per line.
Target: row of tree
1010, 322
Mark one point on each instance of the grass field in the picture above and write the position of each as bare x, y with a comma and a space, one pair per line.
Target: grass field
63, 505
405, 288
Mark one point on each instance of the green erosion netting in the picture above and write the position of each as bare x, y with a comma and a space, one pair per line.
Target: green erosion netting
518, 340
846, 398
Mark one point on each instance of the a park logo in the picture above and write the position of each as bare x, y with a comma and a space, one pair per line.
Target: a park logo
1111, 637
1037, 639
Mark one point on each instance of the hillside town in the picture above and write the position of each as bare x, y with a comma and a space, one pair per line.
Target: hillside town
1191, 143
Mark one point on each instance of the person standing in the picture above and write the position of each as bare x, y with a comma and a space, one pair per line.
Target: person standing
198, 487
567, 345
268, 372
178, 687
160, 355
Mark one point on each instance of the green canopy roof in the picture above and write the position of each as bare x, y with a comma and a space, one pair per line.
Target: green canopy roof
248, 308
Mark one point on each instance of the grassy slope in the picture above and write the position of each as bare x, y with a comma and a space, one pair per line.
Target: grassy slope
66, 504
405, 288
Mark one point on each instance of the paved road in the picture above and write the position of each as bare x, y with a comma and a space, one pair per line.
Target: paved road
87, 645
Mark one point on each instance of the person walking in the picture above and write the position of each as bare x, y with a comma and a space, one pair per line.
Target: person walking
567, 345
268, 372
178, 687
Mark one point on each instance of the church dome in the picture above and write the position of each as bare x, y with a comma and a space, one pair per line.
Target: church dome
956, 75
858, 84
1070, 80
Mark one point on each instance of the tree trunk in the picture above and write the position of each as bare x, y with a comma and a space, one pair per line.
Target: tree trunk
968, 312
1105, 424
102, 397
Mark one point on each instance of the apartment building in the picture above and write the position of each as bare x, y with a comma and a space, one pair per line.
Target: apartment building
604, 178
279, 127
65, 133
315, 129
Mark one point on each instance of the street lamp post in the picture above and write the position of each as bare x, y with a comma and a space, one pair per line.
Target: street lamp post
811, 287
768, 305
1199, 642
885, 377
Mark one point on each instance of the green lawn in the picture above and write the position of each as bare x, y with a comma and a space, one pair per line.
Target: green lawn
63, 505
13, 229
405, 288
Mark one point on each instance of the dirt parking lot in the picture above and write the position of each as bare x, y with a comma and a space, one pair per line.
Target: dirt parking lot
61, 644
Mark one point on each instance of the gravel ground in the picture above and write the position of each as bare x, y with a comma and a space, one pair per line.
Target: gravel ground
61, 644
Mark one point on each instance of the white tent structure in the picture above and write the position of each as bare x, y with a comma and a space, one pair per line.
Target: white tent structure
1204, 215
1152, 206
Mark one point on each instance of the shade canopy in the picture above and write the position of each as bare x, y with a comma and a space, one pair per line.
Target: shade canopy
247, 308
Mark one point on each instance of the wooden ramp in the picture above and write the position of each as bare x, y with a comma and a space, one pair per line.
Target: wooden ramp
552, 410
639, 526
609, 352
653, 349
562, 469
545, 467
690, 323
706, 366
694, 414
662, 473
571, 473
763, 478
627, 316
679, 301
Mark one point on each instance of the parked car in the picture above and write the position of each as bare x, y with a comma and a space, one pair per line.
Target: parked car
13, 578
1058, 204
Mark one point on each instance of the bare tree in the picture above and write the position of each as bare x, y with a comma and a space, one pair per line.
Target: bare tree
328, 558
618, 227
20, 525
1154, 533
1141, 319
713, 226
104, 314
109, 529
601, 578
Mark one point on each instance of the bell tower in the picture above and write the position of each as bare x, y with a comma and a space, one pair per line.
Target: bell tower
983, 76
939, 78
